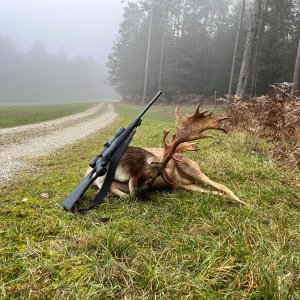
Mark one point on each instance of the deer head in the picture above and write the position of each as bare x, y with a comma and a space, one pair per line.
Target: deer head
192, 129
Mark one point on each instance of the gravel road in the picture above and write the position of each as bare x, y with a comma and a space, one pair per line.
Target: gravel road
21, 142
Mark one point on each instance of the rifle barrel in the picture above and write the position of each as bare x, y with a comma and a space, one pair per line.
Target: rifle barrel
150, 103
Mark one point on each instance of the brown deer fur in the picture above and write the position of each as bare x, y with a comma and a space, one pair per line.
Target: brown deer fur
139, 169
185, 174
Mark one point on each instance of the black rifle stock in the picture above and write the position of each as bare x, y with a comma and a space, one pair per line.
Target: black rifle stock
100, 163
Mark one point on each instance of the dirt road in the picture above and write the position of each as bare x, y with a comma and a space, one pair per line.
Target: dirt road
35, 140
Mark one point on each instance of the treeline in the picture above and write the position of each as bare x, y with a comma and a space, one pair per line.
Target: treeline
192, 45
41, 77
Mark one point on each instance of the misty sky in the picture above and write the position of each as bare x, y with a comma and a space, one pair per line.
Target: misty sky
85, 27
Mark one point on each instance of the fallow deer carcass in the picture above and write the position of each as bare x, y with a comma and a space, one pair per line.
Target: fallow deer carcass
136, 172
141, 169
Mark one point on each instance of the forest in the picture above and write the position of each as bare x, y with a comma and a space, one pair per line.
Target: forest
38, 76
222, 222
192, 44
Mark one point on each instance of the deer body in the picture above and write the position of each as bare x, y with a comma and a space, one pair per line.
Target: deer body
140, 169
137, 169
186, 174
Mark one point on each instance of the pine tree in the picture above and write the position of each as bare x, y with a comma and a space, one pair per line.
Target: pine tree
237, 41
249, 48
296, 76
279, 44
192, 45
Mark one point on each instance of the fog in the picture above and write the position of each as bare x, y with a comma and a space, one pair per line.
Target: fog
56, 50
69, 50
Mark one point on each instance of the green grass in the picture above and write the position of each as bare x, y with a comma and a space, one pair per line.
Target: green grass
175, 245
23, 114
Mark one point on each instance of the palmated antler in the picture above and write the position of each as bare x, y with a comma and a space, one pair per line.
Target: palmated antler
192, 129
183, 147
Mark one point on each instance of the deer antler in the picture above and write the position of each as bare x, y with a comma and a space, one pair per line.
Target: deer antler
192, 129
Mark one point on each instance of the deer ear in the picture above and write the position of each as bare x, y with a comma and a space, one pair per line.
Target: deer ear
156, 164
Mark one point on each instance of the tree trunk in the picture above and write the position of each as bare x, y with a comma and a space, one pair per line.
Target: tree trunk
211, 22
257, 48
254, 70
236, 47
296, 72
249, 48
177, 31
161, 57
148, 54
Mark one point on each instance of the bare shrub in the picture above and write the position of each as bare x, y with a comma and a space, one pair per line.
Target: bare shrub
138, 100
132, 99
274, 117
191, 99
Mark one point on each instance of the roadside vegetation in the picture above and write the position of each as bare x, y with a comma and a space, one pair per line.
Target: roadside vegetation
273, 117
23, 114
174, 245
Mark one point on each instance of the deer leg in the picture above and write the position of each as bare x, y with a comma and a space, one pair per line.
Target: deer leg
192, 171
197, 188
115, 189
132, 184
122, 186
219, 187
138, 187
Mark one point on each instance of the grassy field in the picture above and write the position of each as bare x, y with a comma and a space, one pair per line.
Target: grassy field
179, 245
23, 114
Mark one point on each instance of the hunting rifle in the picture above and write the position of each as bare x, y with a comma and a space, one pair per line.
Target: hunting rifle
105, 163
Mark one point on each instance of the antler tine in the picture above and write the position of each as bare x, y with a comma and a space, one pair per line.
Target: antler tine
165, 134
177, 117
192, 129
222, 118
197, 110
207, 113
187, 147
219, 119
